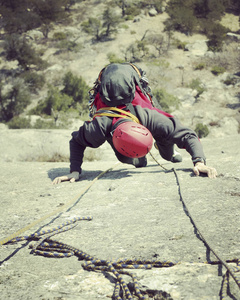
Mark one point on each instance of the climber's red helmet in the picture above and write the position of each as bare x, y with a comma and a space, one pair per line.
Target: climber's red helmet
132, 139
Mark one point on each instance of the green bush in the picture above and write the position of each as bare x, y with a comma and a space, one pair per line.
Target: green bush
181, 18
131, 12
59, 36
217, 70
66, 45
201, 130
100, 29
229, 80
18, 48
73, 96
45, 124
76, 88
114, 59
200, 66
216, 34
179, 44
167, 101
19, 123
197, 85
13, 102
34, 80
56, 101
93, 27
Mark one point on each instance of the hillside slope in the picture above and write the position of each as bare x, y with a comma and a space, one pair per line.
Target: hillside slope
174, 70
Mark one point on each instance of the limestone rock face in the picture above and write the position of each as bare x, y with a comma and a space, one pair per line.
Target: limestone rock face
137, 213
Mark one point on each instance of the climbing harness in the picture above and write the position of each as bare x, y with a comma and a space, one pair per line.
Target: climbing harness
47, 247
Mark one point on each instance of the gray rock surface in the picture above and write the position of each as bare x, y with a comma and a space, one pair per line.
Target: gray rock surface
136, 213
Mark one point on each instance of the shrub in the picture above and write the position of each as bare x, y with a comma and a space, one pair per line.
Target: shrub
34, 80
201, 130
179, 44
66, 45
197, 85
45, 124
181, 18
59, 36
93, 27
216, 34
18, 48
229, 80
166, 100
76, 88
217, 70
55, 102
14, 102
131, 12
19, 123
114, 59
200, 66
136, 51
100, 29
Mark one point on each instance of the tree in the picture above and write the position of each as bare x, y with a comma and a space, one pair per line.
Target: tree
93, 27
216, 34
182, 19
17, 48
136, 51
122, 4
110, 21
211, 9
18, 16
14, 102
21, 16
101, 28
157, 40
69, 3
76, 88
55, 103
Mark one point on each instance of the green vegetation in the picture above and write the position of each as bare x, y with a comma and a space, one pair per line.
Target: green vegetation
69, 93
230, 80
114, 59
201, 130
18, 48
73, 97
217, 70
167, 101
200, 66
137, 51
197, 85
104, 28
59, 36
200, 16
14, 101
19, 122
21, 16
35, 81
55, 102
76, 88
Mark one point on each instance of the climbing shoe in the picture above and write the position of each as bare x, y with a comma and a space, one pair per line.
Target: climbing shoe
177, 157
140, 162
